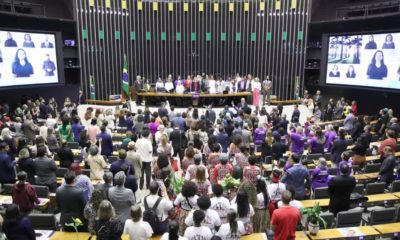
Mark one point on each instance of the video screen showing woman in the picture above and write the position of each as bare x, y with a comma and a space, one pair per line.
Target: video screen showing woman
28, 41
335, 72
389, 44
21, 66
350, 72
377, 68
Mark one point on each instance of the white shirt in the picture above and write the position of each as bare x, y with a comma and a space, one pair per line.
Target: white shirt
274, 193
211, 86
220, 205
145, 149
51, 122
165, 236
159, 85
43, 131
193, 168
110, 120
249, 214
138, 230
169, 86
294, 203
255, 85
182, 201
224, 231
260, 201
211, 220
198, 233
220, 86
180, 89
163, 207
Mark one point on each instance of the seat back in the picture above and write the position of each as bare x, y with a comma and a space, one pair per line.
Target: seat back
396, 186
320, 193
373, 167
381, 216
328, 156
348, 219
359, 188
42, 191
86, 172
329, 219
7, 189
121, 130
61, 172
314, 156
43, 221
332, 171
375, 188
112, 159
73, 145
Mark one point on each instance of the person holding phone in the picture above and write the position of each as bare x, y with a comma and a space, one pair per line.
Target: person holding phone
21, 67
377, 69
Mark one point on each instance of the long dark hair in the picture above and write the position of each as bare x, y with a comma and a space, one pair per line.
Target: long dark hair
242, 201
16, 55
373, 61
231, 217
262, 188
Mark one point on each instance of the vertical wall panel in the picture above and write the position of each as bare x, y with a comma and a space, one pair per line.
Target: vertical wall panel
155, 57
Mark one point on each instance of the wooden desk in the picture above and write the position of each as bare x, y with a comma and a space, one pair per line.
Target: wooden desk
195, 100
336, 234
397, 194
72, 235
389, 229
300, 235
104, 102
256, 236
5, 199
372, 199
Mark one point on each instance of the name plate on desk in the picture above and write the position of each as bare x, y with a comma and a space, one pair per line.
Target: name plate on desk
195, 95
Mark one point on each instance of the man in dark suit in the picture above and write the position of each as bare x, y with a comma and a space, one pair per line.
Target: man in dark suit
295, 114
387, 167
317, 99
162, 110
211, 115
65, 155
395, 126
339, 146
46, 43
178, 139
70, 202
340, 189
117, 165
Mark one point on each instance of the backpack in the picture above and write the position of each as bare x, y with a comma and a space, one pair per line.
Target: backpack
150, 214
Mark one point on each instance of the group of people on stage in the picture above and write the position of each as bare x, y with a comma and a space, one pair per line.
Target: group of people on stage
209, 84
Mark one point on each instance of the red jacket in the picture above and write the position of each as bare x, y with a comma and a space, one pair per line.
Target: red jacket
24, 196
391, 142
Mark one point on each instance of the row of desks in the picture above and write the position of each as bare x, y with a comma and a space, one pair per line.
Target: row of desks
383, 230
373, 199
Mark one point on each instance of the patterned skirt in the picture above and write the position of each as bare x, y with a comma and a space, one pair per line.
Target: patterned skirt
261, 220
182, 216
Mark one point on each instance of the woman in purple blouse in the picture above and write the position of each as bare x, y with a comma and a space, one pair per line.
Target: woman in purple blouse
297, 138
317, 143
320, 175
330, 136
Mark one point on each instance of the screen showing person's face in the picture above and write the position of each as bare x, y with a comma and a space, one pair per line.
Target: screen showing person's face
21, 55
378, 57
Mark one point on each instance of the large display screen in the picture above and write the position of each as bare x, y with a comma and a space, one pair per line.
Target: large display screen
370, 60
27, 58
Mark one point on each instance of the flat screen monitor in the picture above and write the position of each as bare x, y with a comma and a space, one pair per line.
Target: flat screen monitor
28, 58
367, 60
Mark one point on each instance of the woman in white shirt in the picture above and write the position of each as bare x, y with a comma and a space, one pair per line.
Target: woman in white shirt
169, 85
220, 86
276, 187
233, 229
159, 85
212, 86
135, 227
197, 231
219, 203
244, 210
180, 89
261, 216
110, 118
187, 200
172, 233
